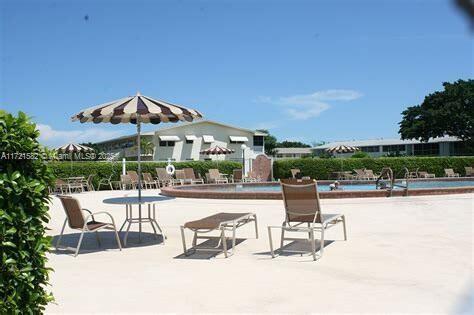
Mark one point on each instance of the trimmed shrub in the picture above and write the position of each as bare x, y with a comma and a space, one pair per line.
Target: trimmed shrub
24, 181
322, 168
105, 169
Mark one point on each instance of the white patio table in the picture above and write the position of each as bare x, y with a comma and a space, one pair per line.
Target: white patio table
150, 201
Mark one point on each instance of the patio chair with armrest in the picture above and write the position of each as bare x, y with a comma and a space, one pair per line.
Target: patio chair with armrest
237, 175
134, 178
360, 174
76, 220
370, 174
126, 182
303, 214
88, 183
469, 171
105, 182
181, 177
60, 186
295, 172
214, 176
149, 181
190, 176
449, 172
165, 179
424, 174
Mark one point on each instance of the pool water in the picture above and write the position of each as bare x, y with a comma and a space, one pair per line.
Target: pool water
350, 187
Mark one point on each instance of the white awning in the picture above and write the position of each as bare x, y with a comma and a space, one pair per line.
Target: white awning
190, 137
169, 138
238, 139
208, 139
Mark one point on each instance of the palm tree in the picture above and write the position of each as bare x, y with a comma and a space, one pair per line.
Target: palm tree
146, 147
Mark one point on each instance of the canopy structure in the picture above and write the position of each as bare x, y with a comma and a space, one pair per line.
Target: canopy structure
169, 138
137, 109
342, 149
208, 138
217, 151
73, 148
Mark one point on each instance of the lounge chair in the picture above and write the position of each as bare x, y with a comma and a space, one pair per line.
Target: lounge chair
295, 172
237, 175
61, 186
149, 182
191, 176
180, 177
213, 176
449, 172
164, 179
370, 174
360, 174
411, 174
303, 214
218, 222
424, 174
469, 171
88, 183
126, 182
106, 182
76, 220
251, 178
134, 178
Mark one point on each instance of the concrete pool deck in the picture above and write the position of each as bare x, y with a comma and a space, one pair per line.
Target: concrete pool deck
403, 255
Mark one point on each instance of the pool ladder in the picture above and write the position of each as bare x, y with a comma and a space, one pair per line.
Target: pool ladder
386, 175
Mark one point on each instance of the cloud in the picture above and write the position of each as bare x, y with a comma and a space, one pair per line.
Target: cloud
305, 106
54, 138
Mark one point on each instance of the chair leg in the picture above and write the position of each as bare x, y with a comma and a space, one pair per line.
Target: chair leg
282, 234
61, 235
111, 186
79, 244
313, 245
344, 227
97, 237
256, 225
322, 242
271, 241
184, 241
224, 242
117, 238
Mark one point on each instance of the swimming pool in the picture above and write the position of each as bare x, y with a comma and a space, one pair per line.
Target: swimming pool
350, 189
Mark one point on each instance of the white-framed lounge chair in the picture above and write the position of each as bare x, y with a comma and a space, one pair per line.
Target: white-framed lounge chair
295, 172
61, 186
180, 177
214, 176
190, 176
237, 175
469, 171
134, 178
165, 179
221, 222
106, 182
303, 214
449, 172
360, 174
370, 174
424, 174
76, 220
149, 182
126, 182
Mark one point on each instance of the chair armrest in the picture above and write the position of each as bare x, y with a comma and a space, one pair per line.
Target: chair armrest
100, 212
90, 213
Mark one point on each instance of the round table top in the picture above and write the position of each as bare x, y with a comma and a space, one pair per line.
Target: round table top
134, 200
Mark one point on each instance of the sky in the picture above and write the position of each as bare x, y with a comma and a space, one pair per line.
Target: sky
305, 70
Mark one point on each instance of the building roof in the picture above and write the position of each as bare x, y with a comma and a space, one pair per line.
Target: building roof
134, 136
203, 121
293, 150
375, 142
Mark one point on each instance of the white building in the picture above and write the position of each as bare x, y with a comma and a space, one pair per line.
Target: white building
184, 141
292, 153
443, 146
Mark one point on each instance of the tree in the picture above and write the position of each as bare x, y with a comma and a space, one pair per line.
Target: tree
443, 113
146, 146
292, 144
270, 142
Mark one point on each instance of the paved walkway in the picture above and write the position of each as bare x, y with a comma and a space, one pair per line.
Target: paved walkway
404, 255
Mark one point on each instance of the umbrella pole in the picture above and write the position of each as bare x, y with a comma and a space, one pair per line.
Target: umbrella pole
139, 181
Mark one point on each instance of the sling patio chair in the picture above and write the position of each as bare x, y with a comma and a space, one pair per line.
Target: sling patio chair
221, 222
424, 174
88, 183
214, 176
469, 170
237, 175
370, 174
60, 186
449, 172
106, 182
149, 182
134, 178
76, 220
303, 214
360, 174
295, 172
190, 176
126, 182
164, 178
180, 177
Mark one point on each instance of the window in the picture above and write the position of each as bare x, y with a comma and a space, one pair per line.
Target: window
167, 143
258, 141
426, 149
373, 148
189, 141
394, 148
460, 148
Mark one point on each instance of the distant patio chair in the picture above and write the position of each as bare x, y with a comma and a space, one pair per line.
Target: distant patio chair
164, 178
469, 171
60, 186
126, 182
411, 174
302, 207
214, 176
134, 178
237, 175
449, 172
251, 178
423, 174
370, 174
105, 182
360, 174
190, 176
180, 177
88, 183
149, 182
295, 172
76, 220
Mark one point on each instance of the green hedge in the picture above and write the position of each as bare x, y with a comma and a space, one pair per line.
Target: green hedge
322, 168
105, 169
24, 200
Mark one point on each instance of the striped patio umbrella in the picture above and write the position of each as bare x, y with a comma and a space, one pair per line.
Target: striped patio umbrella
217, 150
342, 149
73, 148
137, 109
